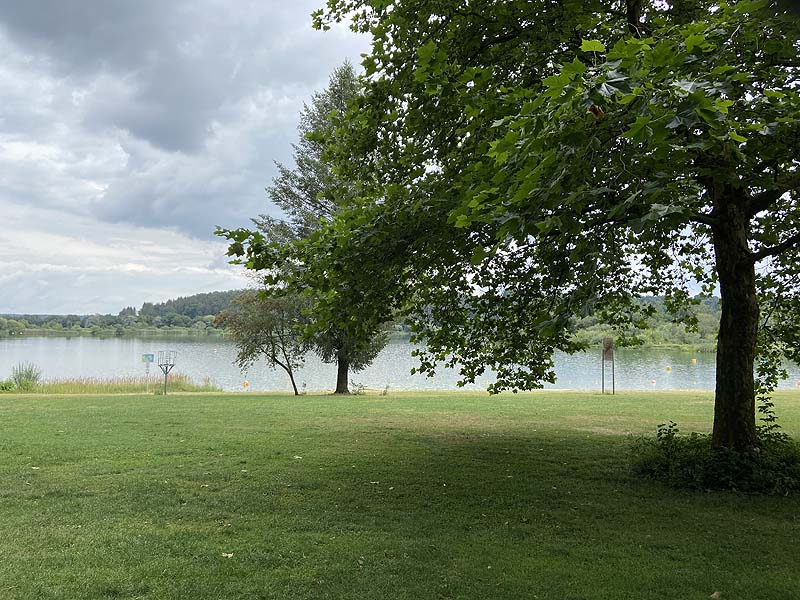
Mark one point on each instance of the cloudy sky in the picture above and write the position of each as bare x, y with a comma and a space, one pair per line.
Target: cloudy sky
129, 130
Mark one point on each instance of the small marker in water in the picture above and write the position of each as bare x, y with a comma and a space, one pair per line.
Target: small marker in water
669, 369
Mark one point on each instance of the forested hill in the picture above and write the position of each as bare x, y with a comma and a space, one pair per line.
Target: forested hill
193, 314
198, 305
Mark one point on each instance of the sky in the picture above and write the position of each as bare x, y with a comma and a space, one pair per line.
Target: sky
130, 130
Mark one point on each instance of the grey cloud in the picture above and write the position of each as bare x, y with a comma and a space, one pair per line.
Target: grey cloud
180, 61
159, 119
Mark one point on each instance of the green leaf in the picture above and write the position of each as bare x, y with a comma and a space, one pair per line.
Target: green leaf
592, 46
709, 116
636, 130
557, 82
478, 255
736, 137
576, 67
462, 221
425, 52
694, 41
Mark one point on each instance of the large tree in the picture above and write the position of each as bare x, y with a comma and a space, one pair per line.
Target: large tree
309, 195
524, 163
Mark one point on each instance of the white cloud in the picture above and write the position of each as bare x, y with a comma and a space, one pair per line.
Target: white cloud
56, 263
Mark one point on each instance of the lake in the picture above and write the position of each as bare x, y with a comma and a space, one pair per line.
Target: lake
213, 358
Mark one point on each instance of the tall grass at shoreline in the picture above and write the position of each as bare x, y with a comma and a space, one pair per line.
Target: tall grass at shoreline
177, 382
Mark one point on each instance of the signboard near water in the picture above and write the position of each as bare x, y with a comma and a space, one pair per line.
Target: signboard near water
147, 359
607, 355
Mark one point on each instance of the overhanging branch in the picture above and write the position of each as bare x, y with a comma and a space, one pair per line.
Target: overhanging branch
788, 243
704, 219
763, 201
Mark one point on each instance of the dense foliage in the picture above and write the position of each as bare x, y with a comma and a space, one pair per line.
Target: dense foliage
196, 305
524, 164
663, 329
690, 461
310, 196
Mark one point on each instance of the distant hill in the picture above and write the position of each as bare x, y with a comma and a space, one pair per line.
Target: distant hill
197, 305
194, 314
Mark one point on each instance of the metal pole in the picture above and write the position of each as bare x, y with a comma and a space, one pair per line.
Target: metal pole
602, 371
613, 375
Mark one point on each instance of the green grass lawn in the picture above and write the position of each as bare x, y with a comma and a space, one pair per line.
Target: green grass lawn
203, 496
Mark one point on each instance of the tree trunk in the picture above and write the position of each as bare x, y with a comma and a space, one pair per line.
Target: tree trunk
288, 370
294, 385
342, 369
734, 403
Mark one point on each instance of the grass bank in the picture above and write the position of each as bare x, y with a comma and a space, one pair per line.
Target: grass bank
400, 496
176, 382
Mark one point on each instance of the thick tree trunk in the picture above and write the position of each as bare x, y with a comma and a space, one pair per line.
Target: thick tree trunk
342, 369
734, 404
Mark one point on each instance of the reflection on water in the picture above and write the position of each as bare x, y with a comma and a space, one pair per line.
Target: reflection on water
635, 369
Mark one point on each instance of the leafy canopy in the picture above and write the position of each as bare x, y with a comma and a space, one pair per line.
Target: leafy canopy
517, 165
521, 164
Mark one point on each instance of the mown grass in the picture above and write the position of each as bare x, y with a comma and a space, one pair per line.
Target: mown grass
176, 382
398, 496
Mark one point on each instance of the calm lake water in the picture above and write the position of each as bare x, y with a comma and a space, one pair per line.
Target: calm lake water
636, 369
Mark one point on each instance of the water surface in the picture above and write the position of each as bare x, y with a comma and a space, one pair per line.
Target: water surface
201, 358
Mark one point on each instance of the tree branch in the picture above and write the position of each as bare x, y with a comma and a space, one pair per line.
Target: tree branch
779, 249
763, 201
705, 219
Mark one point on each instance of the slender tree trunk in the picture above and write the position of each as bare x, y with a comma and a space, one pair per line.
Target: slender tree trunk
289, 368
294, 385
633, 15
734, 403
342, 369
289, 372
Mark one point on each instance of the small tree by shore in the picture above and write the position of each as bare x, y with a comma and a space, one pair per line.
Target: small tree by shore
267, 327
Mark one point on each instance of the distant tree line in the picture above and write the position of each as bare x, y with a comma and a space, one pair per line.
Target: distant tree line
197, 314
663, 328
193, 314
197, 305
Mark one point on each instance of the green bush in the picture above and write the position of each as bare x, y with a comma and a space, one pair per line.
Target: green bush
6, 385
691, 462
25, 376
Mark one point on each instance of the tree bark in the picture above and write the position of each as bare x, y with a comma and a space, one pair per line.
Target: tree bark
342, 370
734, 403
633, 15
